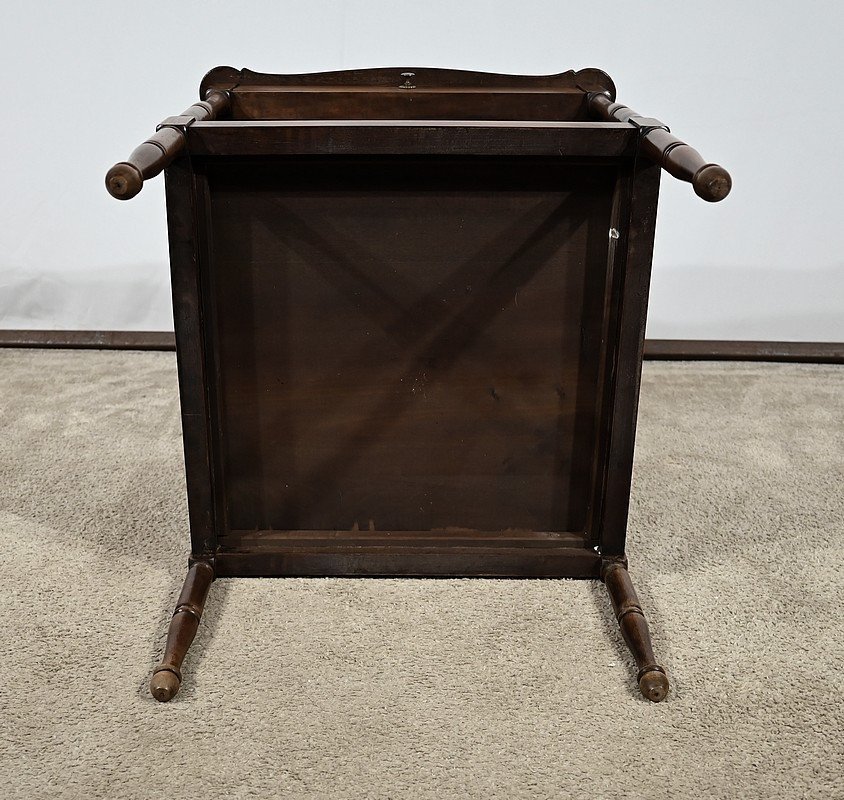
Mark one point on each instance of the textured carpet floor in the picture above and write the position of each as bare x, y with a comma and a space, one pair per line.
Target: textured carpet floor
424, 689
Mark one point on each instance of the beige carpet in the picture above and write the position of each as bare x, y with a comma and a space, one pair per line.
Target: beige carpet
424, 689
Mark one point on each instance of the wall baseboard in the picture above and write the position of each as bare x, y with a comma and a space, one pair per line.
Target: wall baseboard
656, 349
90, 340
731, 350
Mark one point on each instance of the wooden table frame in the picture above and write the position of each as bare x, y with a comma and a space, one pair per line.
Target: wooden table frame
266, 126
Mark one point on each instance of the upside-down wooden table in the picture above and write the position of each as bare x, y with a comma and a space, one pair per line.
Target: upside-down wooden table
410, 310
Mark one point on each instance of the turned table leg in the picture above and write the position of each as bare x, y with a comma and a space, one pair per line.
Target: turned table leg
167, 676
653, 682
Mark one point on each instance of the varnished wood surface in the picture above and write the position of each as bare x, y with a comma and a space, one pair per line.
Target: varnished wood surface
449, 553
651, 677
416, 93
386, 137
410, 310
429, 553
434, 538
627, 316
417, 104
189, 250
588, 79
710, 181
167, 676
126, 178
408, 345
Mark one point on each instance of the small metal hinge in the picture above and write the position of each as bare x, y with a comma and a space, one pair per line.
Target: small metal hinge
647, 124
179, 123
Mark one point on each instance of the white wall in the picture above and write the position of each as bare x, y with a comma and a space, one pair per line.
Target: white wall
753, 85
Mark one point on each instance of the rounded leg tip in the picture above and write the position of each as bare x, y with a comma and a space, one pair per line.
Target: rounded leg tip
124, 181
654, 686
164, 685
712, 183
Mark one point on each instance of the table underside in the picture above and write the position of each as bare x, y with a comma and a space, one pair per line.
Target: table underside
410, 358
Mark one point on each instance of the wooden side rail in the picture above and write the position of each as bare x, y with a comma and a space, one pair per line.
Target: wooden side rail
710, 181
125, 179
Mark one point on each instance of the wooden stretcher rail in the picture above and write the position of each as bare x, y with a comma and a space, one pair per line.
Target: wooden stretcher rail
448, 562
390, 137
710, 181
126, 178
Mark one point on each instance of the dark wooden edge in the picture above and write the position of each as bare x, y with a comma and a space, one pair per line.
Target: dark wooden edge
507, 562
710, 181
655, 349
588, 79
419, 541
438, 553
433, 137
187, 199
629, 295
126, 178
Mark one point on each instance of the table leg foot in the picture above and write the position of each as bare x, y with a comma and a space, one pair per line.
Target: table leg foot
653, 682
167, 676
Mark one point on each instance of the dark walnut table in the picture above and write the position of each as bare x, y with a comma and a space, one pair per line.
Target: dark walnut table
410, 309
